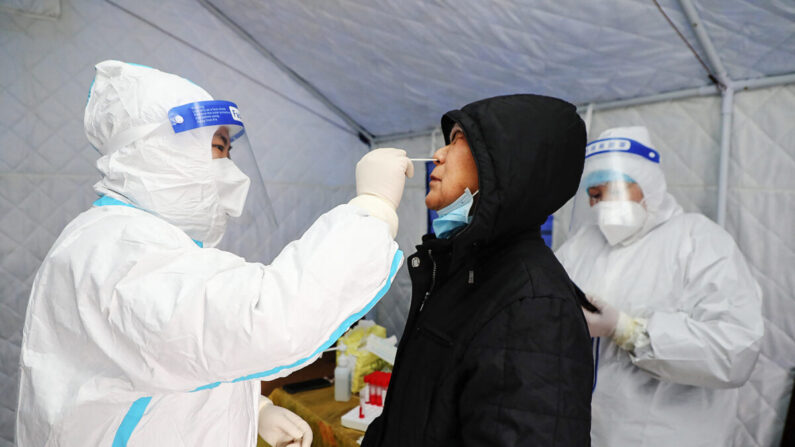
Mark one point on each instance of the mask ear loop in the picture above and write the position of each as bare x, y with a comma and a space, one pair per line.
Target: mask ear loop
647, 215
474, 201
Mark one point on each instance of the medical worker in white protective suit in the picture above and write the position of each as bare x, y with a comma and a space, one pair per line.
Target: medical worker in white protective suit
137, 336
680, 323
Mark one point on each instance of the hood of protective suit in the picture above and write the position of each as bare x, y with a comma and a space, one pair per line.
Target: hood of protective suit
165, 173
529, 152
660, 205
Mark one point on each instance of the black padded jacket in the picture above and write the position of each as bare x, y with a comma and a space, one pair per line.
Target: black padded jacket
496, 351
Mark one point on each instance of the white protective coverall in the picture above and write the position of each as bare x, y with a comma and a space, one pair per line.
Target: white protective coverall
137, 336
689, 291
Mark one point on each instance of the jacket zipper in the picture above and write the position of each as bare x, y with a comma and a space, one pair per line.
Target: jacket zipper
433, 281
396, 368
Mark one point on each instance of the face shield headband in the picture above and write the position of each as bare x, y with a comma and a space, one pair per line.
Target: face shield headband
617, 162
622, 145
182, 119
246, 234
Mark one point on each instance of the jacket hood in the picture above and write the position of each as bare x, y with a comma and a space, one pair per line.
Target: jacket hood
529, 151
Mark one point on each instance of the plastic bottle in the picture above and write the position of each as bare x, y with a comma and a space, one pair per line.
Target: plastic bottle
342, 380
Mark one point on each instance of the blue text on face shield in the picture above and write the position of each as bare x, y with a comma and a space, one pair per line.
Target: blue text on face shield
454, 216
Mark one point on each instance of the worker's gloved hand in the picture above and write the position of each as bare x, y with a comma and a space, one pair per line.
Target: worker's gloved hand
380, 180
601, 324
627, 332
280, 427
382, 173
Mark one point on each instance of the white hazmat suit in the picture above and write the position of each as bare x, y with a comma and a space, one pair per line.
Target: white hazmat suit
134, 334
684, 309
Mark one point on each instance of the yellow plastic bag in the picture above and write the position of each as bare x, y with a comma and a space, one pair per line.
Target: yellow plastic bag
365, 362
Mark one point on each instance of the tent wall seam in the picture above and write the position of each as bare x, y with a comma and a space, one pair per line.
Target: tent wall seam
403, 135
366, 136
227, 65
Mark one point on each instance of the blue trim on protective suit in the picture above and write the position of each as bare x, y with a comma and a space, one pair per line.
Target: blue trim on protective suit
139, 65
110, 201
136, 411
106, 201
334, 336
130, 421
88, 98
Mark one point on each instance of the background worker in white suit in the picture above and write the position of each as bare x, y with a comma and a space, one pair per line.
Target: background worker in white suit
680, 322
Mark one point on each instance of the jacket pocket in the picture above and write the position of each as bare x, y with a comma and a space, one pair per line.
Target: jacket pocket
436, 335
437, 418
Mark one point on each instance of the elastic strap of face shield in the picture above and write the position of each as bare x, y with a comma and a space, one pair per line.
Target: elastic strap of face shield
128, 136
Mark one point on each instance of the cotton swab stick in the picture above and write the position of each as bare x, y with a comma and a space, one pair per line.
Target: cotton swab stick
422, 159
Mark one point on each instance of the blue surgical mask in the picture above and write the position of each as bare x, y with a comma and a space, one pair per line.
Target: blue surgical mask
454, 215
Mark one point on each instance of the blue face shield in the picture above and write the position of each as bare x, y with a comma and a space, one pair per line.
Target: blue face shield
454, 216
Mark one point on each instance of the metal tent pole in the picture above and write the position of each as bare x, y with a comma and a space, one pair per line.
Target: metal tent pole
770, 81
726, 110
706, 90
588, 118
705, 41
727, 105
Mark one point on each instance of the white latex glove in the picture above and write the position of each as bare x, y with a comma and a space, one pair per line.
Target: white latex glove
380, 180
382, 173
280, 427
627, 332
602, 324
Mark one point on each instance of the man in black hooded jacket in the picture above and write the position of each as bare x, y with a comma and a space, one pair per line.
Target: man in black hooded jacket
496, 350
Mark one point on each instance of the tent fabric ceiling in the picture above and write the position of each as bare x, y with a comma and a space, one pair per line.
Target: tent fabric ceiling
48, 9
396, 66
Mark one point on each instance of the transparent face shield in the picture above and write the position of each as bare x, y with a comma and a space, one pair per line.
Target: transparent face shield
250, 217
236, 203
616, 170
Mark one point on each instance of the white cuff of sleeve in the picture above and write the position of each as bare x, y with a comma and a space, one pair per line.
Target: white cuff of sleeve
631, 333
263, 402
379, 208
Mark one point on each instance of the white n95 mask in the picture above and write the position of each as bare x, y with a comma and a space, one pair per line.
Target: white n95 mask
232, 185
619, 220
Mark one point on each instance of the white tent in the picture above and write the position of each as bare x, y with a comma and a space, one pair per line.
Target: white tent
322, 81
